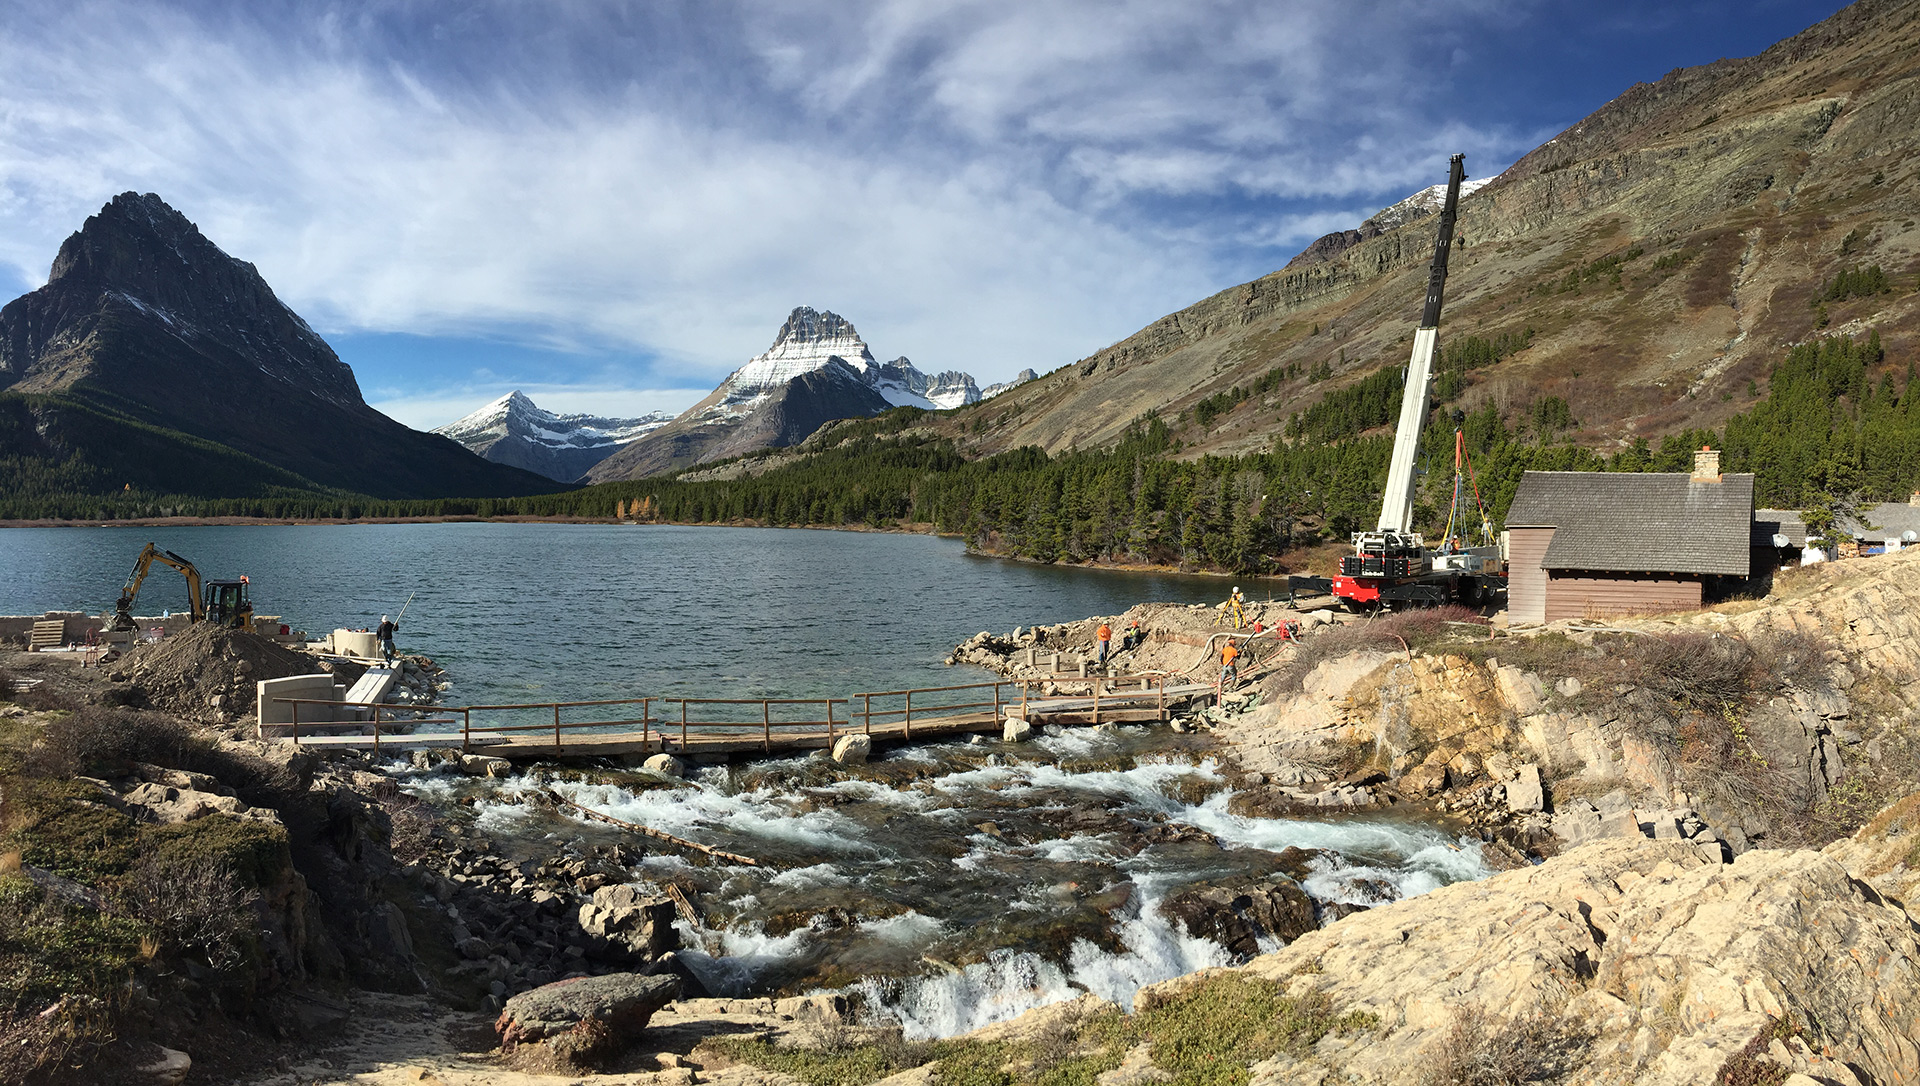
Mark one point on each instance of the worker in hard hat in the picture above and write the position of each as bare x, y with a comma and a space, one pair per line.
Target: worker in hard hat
1229, 673
1103, 641
385, 633
1235, 608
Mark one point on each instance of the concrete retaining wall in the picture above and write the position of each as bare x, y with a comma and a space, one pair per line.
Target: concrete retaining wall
276, 718
77, 623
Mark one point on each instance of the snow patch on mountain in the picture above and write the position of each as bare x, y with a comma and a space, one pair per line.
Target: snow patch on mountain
1425, 202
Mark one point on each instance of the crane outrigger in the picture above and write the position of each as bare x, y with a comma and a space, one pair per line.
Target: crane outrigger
1392, 564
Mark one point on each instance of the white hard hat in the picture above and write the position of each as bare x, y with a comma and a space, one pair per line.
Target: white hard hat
383, 618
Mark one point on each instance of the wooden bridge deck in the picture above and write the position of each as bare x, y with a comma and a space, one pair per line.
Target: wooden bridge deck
1153, 700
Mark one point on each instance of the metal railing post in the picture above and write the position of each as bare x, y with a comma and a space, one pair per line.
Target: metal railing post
376, 731
1096, 701
867, 711
829, 723
996, 703
1160, 697
683, 724
906, 725
1025, 688
296, 722
556, 727
466, 731
646, 721
766, 725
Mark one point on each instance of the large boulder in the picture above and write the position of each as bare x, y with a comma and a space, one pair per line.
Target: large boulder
852, 749
627, 926
583, 1020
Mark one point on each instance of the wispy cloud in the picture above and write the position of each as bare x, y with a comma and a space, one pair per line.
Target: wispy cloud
982, 186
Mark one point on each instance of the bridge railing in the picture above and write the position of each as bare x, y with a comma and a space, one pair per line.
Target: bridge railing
691, 710
928, 707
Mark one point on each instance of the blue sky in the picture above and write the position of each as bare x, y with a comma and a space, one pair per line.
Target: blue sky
613, 205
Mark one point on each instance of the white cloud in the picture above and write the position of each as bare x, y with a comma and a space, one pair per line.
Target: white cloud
961, 179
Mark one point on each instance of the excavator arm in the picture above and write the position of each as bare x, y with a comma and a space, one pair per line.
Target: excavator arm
123, 610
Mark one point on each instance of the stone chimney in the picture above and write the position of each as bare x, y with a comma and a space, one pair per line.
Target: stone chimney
1706, 465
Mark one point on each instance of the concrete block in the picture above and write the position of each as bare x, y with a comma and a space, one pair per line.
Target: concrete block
665, 764
1016, 731
361, 643
276, 718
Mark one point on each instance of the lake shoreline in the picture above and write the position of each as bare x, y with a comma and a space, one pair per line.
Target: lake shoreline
909, 528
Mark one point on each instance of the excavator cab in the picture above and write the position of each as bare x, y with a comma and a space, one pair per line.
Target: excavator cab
227, 604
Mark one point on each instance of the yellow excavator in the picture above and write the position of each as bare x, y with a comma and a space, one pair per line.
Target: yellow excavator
223, 602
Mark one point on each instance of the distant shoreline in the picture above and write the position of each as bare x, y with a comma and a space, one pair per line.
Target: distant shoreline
910, 528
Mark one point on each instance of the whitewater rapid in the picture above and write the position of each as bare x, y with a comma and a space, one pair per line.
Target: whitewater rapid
948, 892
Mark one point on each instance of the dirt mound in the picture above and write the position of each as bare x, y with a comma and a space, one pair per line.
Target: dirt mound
207, 673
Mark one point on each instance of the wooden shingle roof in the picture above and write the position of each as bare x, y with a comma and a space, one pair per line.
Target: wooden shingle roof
1624, 522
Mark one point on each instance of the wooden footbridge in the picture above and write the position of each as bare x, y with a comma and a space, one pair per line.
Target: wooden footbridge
723, 727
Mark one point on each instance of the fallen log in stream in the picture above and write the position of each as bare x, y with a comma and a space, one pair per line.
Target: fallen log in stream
679, 842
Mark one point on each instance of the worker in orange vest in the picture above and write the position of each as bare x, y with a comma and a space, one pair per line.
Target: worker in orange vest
1228, 673
1104, 637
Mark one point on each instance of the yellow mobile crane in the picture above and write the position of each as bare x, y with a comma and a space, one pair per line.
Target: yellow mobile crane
224, 602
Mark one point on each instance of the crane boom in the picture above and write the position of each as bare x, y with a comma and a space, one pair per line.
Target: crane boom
1396, 502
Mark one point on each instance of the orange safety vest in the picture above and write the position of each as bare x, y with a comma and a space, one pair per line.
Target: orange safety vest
1104, 633
1228, 655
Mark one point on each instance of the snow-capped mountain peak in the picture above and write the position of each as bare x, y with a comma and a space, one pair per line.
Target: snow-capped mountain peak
514, 430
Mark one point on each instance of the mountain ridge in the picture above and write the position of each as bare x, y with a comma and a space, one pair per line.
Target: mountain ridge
1738, 182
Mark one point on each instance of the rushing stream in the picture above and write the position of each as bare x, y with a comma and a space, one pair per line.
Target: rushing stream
957, 884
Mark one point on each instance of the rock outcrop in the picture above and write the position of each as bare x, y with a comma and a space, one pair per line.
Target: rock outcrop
1836, 658
1655, 964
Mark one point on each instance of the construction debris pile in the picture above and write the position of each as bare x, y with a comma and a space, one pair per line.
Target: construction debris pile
205, 672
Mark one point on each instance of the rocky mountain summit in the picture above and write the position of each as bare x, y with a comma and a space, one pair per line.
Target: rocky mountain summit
818, 370
514, 430
153, 359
